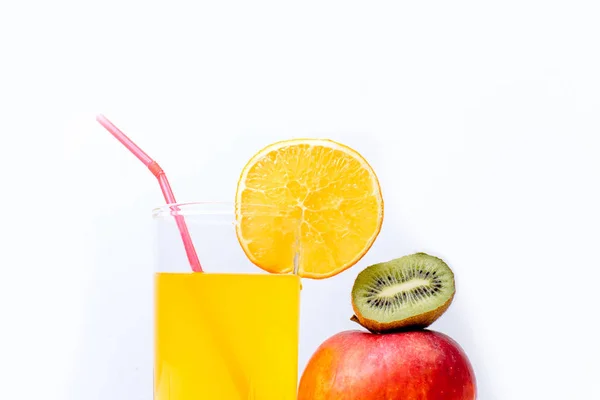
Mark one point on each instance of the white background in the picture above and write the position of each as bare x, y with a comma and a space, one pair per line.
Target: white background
481, 119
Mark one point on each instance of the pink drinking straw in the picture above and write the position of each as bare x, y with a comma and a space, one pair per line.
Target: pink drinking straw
164, 186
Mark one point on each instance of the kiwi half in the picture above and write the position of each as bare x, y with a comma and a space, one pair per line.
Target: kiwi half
408, 292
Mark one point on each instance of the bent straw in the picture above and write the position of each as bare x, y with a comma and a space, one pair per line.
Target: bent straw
164, 186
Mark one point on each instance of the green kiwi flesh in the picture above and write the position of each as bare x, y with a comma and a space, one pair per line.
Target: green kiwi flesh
408, 292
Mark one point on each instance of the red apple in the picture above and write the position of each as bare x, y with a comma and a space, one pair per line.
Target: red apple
413, 365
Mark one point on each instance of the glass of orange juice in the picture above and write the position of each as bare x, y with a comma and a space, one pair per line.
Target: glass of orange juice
230, 332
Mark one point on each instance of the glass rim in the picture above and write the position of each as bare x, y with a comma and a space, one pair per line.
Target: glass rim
210, 210
199, 208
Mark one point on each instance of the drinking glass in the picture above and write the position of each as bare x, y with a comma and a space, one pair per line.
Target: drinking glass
230, 332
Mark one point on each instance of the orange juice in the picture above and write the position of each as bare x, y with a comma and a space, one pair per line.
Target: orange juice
226, 336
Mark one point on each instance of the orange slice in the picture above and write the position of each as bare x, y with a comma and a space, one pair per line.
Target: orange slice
310, 206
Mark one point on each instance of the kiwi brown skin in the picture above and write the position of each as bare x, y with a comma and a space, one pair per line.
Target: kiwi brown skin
420, 321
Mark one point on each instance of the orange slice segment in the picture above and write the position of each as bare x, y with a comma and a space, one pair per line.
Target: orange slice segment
310, 206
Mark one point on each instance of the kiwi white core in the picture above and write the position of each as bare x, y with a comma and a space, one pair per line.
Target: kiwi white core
402, 287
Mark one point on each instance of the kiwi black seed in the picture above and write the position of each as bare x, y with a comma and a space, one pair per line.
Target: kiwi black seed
408, 292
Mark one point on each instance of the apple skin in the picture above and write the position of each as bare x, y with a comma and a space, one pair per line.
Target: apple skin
411, 365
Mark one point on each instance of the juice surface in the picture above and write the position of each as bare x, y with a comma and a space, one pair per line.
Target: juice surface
226, 336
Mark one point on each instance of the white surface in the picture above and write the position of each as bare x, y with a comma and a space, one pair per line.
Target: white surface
481, 120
